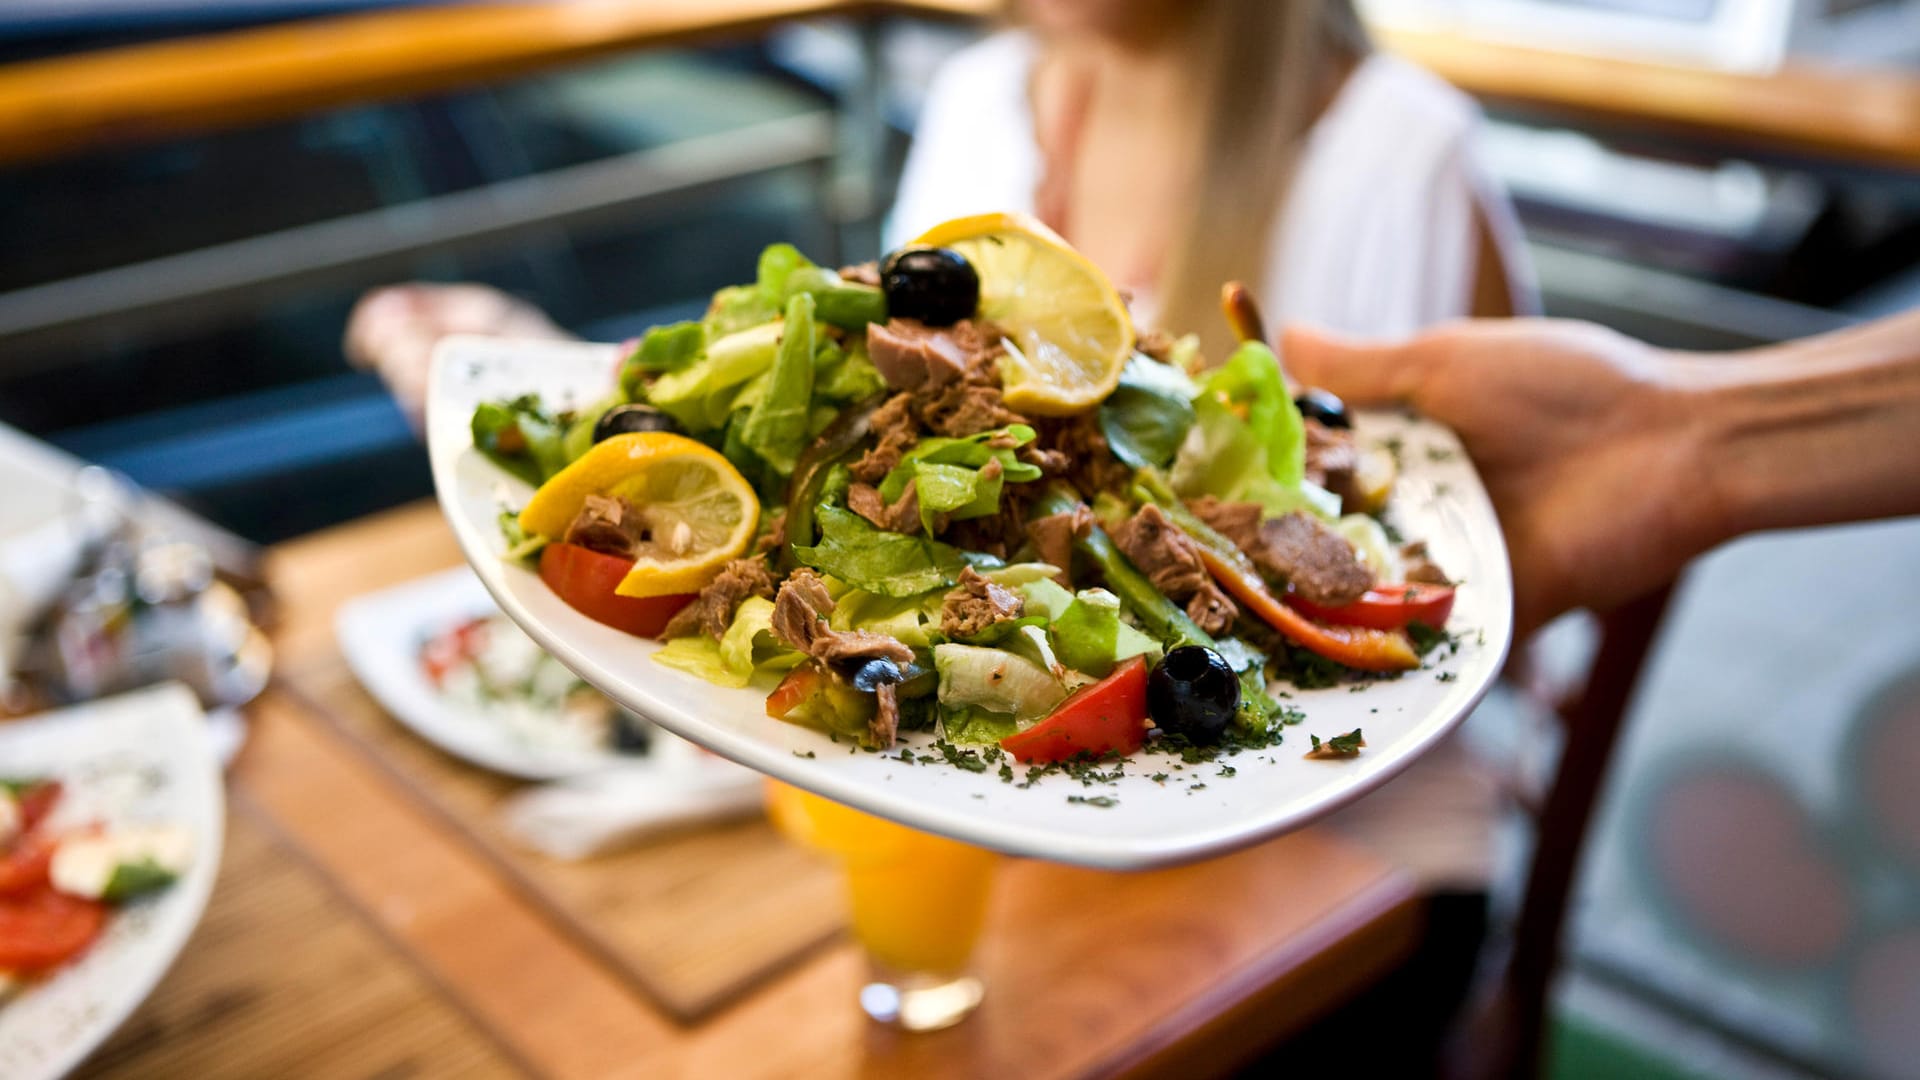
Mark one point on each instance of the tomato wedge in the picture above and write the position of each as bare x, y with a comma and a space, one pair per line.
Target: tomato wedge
44, 929
1358, 647
586, 579
25, 867
1385, 607
1109, 715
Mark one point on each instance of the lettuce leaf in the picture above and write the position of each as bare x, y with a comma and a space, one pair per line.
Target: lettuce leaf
946, 474
911, 620
845, 375
1251, 378
1090, 637
750, 644
1147, 416
1228, 457
702, 395
970, 726
749, 647
521, 437
995, 680
664, 349
777, 264
776, 427
878, 561
699, 656
846, 304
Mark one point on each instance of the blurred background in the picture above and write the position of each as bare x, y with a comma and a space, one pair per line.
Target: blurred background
1699, 173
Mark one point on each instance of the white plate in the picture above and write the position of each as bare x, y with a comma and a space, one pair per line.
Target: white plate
143, 757
381, 634
1439, 499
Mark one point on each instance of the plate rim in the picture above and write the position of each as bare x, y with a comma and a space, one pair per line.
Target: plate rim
1112, 851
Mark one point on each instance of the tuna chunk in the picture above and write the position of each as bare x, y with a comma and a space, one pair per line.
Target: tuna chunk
895, 431
902, 516
885, 725
1171, 560
976, 605
610, 525
1315, 561
1332, 459
712, 611
911, 355
1053, 537
800, 619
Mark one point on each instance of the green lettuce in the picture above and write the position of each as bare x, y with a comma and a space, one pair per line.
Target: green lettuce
844, 375
911, 620
1260, 458
995, 680
702, 395
878, 561
747, 648
846, 304
946, 474
521, 437
1147, 416
1090, 637
970, 726
776, 426
664, 349
1087, 632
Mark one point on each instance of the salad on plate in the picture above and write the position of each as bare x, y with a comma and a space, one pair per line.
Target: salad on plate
61, 879
959, 492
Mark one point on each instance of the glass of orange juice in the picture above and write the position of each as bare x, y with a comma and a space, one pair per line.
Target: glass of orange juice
918, 903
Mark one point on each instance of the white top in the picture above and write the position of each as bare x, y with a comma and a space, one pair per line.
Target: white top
1399, 257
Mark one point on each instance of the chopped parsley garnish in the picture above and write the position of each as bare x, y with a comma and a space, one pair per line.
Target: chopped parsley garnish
1102, 801
961, 758
1426, 639
803, 753
1340, 746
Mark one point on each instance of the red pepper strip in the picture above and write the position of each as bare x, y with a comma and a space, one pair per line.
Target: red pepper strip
1385, 607
1107, 716
1359, 648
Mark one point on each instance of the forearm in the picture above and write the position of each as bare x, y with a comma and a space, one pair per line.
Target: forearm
1814, 432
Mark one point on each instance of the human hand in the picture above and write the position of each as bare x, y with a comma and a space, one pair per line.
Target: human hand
1587, 448
393, 331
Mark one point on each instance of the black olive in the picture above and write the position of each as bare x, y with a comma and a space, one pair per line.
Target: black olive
875, 673
627, 419
938, 286
1324, 407
1193, 693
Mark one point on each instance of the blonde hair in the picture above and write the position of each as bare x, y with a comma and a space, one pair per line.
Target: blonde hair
1268, 66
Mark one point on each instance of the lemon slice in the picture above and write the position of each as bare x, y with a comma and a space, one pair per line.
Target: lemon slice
698, 509
1070, 330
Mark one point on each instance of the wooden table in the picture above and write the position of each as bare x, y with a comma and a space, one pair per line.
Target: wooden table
354, 933
199, 84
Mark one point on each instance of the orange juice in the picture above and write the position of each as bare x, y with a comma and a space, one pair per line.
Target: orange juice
918, 901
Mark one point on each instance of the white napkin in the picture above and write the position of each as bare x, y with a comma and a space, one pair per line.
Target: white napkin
599, 812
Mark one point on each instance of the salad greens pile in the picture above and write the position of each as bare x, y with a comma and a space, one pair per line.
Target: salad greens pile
779, 376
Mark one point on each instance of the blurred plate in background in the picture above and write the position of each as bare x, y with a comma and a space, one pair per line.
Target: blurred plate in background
139, 758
